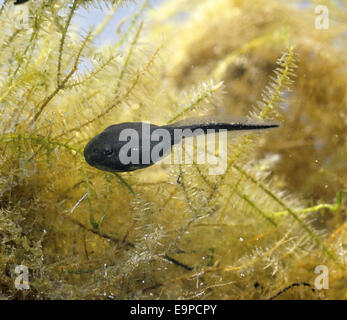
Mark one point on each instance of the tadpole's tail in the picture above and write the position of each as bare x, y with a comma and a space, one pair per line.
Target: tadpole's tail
205, 128
227, 126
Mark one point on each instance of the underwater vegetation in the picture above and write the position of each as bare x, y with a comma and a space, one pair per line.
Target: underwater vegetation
257, 231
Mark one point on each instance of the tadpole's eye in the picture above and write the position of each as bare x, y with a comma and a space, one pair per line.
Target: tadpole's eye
108, 151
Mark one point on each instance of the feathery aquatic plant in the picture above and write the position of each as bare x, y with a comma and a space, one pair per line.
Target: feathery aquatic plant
84, 233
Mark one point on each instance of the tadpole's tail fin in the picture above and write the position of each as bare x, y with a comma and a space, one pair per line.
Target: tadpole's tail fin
190, 128
227, 126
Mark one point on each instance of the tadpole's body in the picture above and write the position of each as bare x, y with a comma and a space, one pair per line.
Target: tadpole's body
20, 1
103, 151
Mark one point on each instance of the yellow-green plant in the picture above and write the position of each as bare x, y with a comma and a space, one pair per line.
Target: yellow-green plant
170, 231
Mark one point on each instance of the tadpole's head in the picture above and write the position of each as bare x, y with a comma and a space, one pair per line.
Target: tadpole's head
100, 153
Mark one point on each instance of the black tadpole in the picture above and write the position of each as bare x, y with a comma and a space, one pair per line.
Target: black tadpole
20, 1
130, 146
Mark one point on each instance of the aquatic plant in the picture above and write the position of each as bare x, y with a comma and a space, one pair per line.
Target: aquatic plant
173, 231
